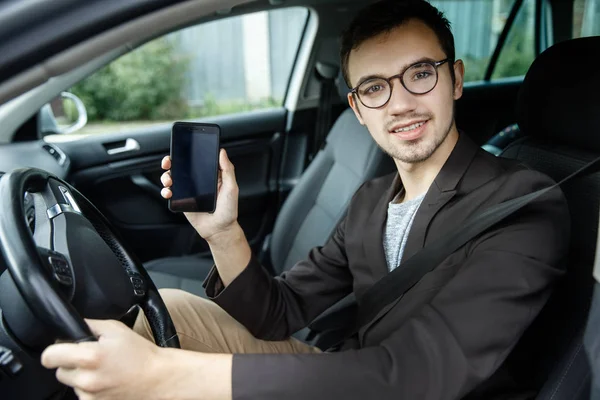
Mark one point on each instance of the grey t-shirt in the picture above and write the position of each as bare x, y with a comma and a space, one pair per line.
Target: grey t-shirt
399, 220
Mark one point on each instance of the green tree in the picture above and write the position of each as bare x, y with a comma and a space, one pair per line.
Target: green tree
145, 84
518, 51
474, 67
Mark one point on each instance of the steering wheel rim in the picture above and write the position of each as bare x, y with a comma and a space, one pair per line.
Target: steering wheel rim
28, 264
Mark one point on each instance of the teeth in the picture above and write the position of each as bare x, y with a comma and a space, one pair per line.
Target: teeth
409, 128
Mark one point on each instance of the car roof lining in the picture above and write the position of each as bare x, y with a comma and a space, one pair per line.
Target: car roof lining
128, 34
149, 26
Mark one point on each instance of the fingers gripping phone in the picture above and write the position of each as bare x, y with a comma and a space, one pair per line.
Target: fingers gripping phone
194, 167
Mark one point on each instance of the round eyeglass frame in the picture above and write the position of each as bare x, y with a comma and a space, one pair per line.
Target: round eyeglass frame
400, 76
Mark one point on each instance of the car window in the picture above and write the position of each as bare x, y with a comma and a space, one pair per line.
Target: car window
586, 18
518, 51
477, 25
227, 66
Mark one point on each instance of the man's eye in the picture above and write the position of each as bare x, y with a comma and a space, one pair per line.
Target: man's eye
421, 75
374, 89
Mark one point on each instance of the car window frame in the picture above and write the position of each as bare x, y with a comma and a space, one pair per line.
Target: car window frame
294, 68
541, 22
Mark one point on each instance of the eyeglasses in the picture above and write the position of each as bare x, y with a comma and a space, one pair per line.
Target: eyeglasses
419, 78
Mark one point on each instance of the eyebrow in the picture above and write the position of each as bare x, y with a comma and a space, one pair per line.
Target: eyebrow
363, 79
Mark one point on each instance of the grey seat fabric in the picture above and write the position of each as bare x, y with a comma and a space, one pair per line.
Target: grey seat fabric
561, 125
319, 200
570, 378
311, 211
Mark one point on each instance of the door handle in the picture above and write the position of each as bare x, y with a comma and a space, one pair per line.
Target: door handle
146, 185
129, 145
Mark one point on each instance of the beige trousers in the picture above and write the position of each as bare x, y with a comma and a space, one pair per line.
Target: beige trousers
204, 326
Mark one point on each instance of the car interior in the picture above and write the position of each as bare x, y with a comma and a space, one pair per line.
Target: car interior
311, 210
92, 198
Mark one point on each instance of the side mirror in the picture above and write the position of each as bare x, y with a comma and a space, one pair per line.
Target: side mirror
65, 114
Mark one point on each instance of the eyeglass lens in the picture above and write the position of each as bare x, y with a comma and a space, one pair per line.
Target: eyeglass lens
417, 79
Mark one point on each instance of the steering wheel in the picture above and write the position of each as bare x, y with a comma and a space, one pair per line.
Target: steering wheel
74, 263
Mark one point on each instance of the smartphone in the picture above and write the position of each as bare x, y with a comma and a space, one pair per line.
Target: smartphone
194, 167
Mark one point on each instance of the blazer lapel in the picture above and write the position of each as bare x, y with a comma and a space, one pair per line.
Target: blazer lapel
434, 200
439, 194
441, 191
373, 234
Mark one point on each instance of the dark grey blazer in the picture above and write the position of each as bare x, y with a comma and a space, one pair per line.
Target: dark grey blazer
443, 337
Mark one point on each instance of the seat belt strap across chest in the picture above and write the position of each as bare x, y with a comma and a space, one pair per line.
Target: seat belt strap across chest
407, 274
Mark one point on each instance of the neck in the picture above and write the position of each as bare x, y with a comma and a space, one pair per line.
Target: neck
418, 177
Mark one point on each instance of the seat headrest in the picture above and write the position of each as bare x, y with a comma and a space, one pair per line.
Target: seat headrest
327, 70
560, 96
342, 88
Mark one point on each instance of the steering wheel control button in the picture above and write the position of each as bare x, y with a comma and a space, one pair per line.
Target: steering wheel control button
59, 209
9, 363
61, 270
69, 198
138, 285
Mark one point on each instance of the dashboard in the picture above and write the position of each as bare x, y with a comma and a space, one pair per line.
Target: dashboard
37, 154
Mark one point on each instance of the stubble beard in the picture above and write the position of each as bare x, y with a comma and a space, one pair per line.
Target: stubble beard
418, 150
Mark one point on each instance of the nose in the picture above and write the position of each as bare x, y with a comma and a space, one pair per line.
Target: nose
401, 100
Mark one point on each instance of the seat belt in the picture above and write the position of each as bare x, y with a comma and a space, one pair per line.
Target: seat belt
407, 274
393, 286
326, 73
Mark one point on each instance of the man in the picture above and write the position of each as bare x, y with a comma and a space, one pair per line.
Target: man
442, 339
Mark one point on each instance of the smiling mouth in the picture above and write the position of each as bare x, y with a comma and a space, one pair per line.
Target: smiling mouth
409, 127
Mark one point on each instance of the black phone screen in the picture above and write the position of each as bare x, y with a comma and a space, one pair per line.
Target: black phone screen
194, 167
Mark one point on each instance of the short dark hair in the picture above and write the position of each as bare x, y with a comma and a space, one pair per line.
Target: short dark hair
385, 15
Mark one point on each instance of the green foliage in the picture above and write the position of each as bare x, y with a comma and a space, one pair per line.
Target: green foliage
70, 110
145, 84
212, 106
515, 58
518, 51
474, 67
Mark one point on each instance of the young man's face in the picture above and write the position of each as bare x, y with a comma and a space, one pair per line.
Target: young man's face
390, 54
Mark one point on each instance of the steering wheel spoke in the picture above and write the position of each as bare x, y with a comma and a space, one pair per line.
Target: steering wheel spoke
73, 264
58, 267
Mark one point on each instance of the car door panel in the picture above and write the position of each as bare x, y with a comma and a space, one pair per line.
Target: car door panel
126, 186
93, 149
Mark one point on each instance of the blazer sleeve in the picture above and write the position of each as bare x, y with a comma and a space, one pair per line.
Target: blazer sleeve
274, 308
451, 344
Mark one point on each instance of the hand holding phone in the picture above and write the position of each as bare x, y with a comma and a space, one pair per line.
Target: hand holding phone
194, 167
226, 211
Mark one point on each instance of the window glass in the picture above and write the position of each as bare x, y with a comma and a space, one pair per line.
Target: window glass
477, 25
518, 51
586, 18
226, 66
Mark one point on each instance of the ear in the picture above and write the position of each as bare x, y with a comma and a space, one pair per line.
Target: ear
354, 105
459, 78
